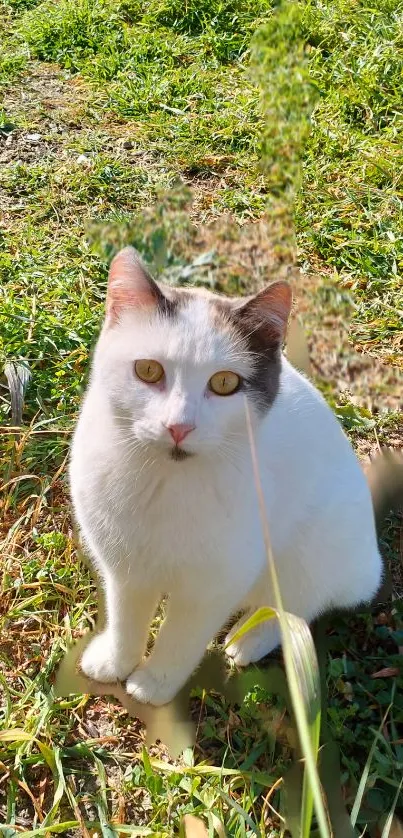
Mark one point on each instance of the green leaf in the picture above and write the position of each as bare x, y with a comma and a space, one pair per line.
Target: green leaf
353, 417
48, 755
15, 735
147, 764
260, 616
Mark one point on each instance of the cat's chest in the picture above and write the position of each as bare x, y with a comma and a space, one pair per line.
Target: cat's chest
177, 518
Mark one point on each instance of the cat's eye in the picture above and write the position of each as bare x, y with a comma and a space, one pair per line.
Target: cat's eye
149, 371
224, 383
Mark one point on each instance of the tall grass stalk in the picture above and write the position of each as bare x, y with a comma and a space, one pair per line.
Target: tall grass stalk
302, 674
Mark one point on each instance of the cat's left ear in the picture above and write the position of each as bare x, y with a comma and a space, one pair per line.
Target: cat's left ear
268, 311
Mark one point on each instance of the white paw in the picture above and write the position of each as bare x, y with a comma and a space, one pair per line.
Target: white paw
150, 687
101, 660
253, 645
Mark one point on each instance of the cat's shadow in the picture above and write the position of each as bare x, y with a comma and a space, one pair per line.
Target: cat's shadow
173, 727
171, 723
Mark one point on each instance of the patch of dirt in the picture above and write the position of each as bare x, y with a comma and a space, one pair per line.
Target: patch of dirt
41, 110
48, 122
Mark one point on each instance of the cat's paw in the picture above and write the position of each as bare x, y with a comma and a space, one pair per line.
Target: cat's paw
151, 687
101, 661
253, 645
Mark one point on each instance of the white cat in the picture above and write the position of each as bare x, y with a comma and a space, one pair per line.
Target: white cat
163, 489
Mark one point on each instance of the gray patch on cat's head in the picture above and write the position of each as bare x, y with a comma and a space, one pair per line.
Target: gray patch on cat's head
261, 333
178, 298
170, 300
259, 322
167, 306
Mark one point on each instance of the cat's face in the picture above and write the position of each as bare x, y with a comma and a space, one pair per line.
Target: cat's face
178, 364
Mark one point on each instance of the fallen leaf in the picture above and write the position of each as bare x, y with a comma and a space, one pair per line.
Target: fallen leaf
387, 672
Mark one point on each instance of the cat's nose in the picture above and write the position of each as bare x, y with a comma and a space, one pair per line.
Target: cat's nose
179, 432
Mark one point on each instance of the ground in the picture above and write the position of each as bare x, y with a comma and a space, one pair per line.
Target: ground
159, 126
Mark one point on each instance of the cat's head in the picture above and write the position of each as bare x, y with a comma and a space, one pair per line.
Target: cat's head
176, 364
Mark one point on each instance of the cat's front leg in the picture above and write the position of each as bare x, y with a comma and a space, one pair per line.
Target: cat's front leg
111, 655
189, 626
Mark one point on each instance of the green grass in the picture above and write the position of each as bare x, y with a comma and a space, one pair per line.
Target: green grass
303, 118
353, 163
14, 51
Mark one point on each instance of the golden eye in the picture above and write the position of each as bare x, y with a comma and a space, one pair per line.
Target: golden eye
224, 383
149, 371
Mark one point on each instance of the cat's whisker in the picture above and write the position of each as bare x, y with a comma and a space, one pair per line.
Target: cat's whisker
129, 440
229, 455
146, 463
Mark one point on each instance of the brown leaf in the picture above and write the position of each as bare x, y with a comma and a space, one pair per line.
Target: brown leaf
387, 672
233, 719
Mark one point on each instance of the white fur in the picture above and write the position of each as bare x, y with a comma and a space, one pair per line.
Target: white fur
191, 529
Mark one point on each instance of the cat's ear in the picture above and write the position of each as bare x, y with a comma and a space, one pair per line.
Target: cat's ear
268, 311
130, 286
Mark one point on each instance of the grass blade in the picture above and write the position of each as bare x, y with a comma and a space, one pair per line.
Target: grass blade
60, 789
260, 616
364, 776
102, 801
302, 672
389, 819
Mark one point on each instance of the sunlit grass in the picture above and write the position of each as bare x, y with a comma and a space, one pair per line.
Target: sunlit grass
319, 96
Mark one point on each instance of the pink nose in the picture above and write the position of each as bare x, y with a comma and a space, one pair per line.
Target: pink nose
179, 432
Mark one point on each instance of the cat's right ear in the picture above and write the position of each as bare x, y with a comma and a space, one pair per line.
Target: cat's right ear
130, 286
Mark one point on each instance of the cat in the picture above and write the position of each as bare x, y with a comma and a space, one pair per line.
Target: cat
163, 488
